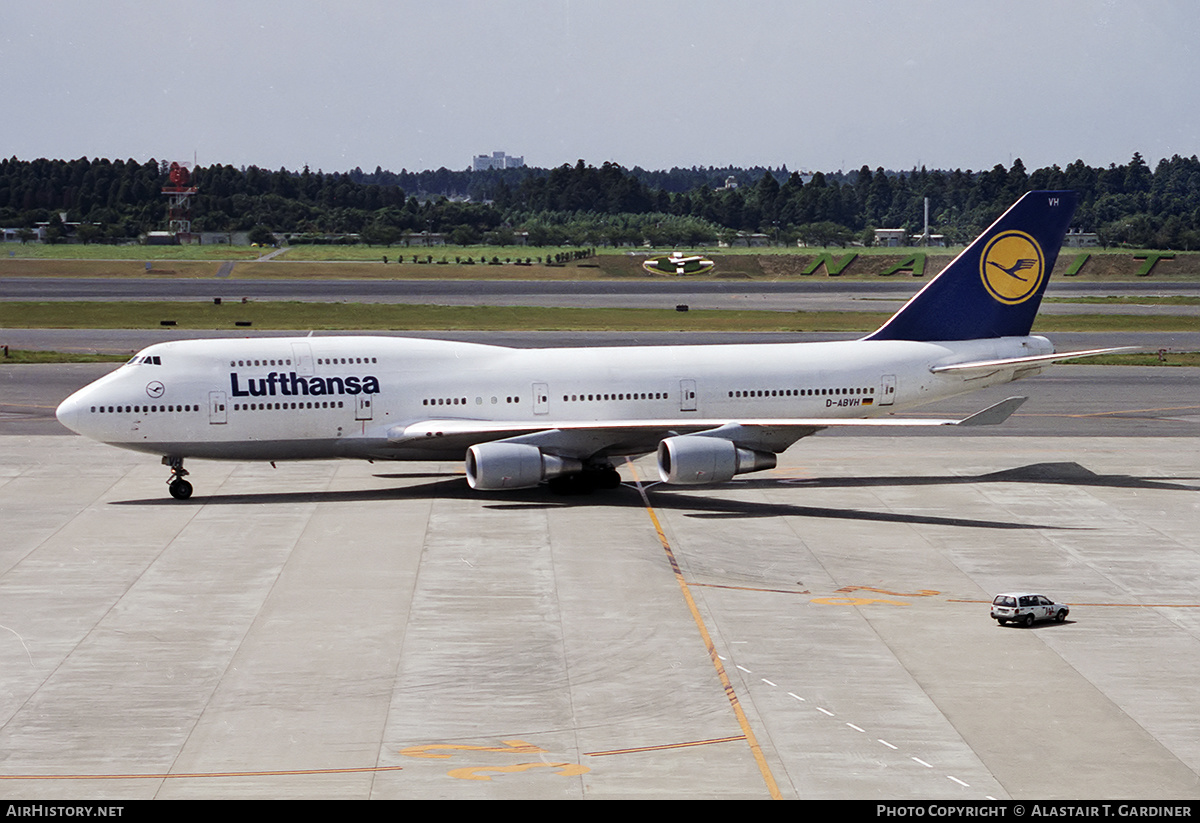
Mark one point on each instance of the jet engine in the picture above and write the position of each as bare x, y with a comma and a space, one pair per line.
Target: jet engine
692, 460
496, 466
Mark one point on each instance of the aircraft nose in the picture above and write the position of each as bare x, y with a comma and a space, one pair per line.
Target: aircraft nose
70, 411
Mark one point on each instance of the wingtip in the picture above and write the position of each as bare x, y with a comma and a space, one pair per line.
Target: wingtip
995, 414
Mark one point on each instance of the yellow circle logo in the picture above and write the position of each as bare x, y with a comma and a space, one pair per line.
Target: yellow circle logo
1012, 267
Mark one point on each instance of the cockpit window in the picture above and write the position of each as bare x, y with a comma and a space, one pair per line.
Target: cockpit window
145, 360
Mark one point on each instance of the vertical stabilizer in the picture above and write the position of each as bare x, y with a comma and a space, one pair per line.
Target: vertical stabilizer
994, 288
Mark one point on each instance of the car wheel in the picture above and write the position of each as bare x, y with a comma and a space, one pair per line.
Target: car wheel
1061, 616
1028, 621
1001, 621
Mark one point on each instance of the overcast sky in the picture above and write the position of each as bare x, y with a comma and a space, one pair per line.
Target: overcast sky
816, 86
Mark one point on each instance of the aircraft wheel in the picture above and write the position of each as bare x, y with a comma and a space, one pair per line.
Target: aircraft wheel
608, 479
567, 484
180, 489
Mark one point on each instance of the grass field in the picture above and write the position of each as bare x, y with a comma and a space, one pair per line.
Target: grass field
771, 268
34, 260
341, 262
96, 251
1130, 300
20, 357
99, 251
1171, 358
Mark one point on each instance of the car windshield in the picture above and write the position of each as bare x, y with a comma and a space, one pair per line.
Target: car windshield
1003, 600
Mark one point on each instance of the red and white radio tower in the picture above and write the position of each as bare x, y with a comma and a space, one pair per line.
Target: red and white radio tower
179, 193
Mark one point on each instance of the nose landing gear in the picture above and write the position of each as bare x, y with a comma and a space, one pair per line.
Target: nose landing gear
180, 489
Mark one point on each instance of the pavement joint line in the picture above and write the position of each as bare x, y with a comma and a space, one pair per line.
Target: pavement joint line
666, 746
759, 758
176, 775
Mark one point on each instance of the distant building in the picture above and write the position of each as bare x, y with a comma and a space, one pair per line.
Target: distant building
891, 237
899, 237
1081, 239
497, 160
746, 239
425, 238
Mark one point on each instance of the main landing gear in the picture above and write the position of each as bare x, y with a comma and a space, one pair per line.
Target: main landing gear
180, 488
586, 481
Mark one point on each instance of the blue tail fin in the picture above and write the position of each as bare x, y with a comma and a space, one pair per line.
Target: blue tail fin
994, 288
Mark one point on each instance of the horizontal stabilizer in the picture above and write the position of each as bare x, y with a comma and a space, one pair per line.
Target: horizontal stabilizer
1017, 362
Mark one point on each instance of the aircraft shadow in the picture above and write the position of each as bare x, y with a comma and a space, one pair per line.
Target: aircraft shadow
1063, 474
701, 504
445, 488
717, 508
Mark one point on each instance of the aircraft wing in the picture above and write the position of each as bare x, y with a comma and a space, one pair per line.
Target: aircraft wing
633, 437
598, 437
1032, 361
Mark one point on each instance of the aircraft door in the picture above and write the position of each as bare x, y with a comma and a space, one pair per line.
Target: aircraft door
216, 407
887, 390
541, 398
363, 409
687, 395
302, 358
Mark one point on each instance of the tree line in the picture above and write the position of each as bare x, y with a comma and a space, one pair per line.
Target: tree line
584, 205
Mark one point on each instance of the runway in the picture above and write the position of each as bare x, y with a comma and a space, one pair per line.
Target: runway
349, 630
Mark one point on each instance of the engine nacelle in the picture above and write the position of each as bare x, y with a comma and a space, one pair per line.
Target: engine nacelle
495, 466
692, 460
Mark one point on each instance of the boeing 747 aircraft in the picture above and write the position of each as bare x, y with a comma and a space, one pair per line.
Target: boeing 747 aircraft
521, 417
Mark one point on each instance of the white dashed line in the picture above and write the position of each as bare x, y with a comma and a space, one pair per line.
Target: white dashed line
860, 729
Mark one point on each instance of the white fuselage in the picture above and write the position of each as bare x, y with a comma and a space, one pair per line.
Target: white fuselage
326, 397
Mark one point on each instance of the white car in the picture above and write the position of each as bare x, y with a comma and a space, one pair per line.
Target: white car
1025, 608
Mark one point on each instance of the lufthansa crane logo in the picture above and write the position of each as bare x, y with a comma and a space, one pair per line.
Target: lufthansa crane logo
155, 389
1012, 267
